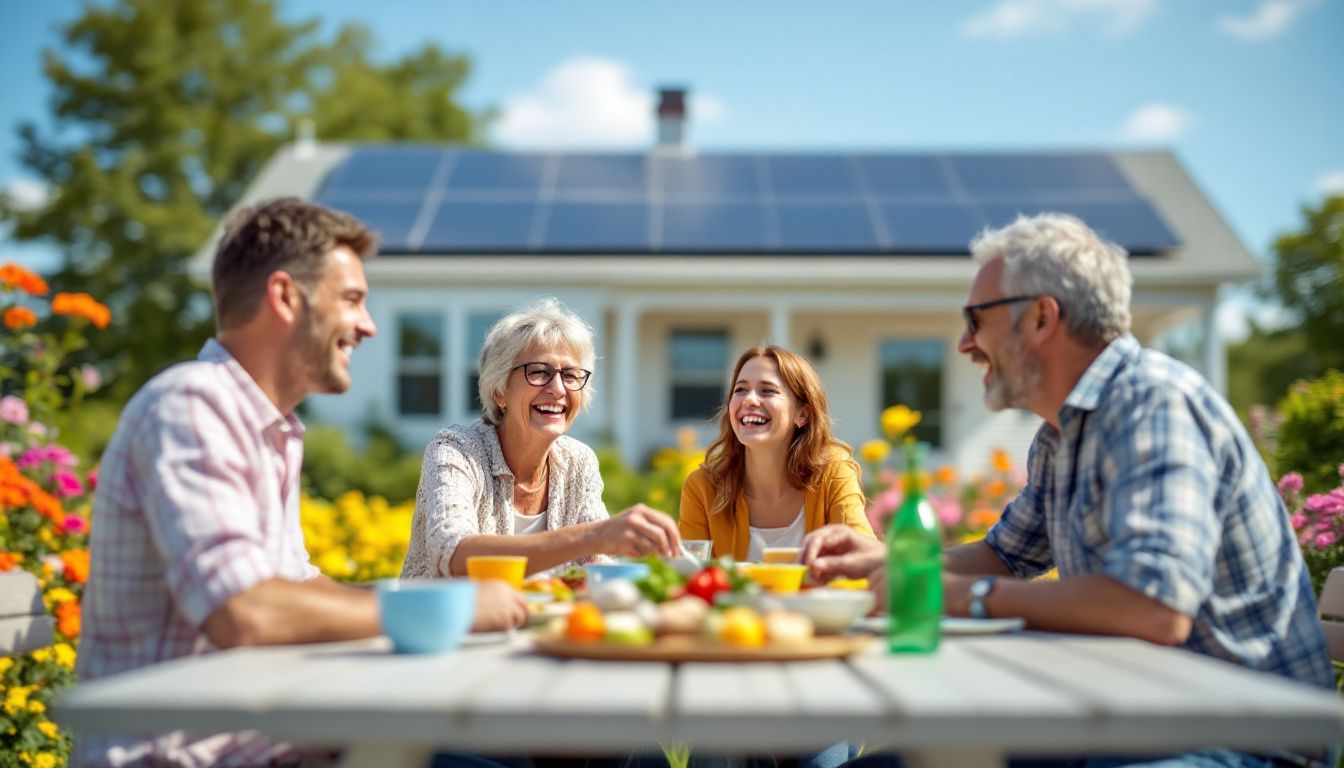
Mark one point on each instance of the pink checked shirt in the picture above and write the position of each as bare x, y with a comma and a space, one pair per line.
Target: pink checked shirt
197, 501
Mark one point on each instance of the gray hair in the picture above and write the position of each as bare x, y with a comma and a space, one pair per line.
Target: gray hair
544, 323
1054, 254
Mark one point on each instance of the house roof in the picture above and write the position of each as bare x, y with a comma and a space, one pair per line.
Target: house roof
467, 203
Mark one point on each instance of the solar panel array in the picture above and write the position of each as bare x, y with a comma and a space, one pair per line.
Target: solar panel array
454, 200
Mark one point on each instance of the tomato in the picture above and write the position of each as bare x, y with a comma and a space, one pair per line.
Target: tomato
708, 583
585, 624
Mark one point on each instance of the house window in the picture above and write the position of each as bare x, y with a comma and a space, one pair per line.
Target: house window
912, 374
419, 364
478, 325
698, 361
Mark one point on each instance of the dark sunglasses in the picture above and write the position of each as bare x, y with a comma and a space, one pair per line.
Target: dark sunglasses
540, 374
973, 324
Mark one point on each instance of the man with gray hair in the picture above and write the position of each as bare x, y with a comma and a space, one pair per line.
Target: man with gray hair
1143, 490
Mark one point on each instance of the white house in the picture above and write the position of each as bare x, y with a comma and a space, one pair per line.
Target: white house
680, 260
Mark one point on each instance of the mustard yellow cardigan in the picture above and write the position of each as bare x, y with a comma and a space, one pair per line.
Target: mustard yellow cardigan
838, 498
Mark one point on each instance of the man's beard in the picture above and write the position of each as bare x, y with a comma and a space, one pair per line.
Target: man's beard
315, 351
1014, 379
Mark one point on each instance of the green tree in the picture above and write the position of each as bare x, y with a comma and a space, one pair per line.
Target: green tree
1309, 281
164, 112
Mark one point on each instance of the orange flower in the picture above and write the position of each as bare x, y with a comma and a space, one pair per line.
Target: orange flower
67, 619
14, 276
945, 475
983, 517
81, 305
8, 561
76, 562
1001, 461
19, 317
995, 489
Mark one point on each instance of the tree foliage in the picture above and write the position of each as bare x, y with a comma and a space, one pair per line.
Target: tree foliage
164, 112
1309, 281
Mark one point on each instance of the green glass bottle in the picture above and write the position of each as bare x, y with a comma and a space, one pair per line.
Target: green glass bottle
914, 565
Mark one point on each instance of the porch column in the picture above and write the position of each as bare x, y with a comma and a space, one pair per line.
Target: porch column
1215, 351
625, 354
779, 324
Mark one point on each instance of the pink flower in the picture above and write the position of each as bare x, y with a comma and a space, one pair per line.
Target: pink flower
1326, 504
66, 483
91, 377
949, 511
1290, 483
75, 524
1299, 521
93, 479
1324, 540
13, 410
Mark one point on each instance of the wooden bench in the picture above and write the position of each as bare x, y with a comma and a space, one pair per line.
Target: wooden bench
1332, 613
24, 623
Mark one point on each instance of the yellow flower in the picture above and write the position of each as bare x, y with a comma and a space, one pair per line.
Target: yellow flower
59, 595
44, 760
874, 451
65, 655
49, 729
899, 419
657, 496
36, 707
42, 655
5, 664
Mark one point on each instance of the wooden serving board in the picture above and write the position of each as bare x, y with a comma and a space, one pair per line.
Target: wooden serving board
685, 648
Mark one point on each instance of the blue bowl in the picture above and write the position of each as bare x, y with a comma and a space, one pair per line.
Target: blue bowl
600, 572
426, 615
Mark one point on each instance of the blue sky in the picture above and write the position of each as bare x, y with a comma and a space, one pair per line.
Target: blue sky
1248, 93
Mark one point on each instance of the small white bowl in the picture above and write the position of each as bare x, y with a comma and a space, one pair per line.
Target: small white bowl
831, 610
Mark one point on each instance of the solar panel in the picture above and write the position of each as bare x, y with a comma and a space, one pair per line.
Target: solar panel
810, 175
714, 227
576, 227
480, 226
385, 168
708, 177
479, 170
625, 174
391, 220
489, 201
931, 227
904, 175
836, 227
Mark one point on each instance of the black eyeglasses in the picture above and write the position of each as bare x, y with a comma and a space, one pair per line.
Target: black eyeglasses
968, 312
540, 374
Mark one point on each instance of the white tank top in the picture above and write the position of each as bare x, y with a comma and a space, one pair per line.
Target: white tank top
789, 536
529, 523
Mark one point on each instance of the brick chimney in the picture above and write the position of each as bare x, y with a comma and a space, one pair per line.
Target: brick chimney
672, 119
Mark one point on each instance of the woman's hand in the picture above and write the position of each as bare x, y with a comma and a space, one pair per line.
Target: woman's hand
638, 531
837, 551
498, 606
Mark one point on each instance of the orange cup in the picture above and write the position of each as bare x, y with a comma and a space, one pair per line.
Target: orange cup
508, 568
783, 555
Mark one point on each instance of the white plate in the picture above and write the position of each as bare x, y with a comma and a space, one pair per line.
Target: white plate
951, 625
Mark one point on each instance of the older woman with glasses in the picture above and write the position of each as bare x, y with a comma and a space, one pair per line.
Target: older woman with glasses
512, 483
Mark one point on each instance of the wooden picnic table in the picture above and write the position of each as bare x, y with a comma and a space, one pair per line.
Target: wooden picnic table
970, 704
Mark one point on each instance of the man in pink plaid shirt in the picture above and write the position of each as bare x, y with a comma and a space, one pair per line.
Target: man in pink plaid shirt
196, 542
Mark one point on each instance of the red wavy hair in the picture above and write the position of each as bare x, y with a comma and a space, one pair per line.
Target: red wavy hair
813, 445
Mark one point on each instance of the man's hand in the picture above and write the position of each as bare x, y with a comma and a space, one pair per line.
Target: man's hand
639, 531
498, 606
836, 551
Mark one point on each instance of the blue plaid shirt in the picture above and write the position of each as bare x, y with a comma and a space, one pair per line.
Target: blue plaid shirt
1152, 480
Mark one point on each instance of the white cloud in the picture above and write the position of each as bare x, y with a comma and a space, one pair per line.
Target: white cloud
1331, 183
1156, 123
26, 194
1009, 19
589, 102
1271, 18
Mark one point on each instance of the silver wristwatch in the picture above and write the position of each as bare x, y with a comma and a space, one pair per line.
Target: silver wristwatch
980, 589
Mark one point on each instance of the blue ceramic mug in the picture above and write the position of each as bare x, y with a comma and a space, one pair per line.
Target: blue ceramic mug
426, 615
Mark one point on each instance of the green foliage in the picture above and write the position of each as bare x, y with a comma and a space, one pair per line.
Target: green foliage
164, 112
331, 466
623, 487
1310, 436
1261, 368
1309, 280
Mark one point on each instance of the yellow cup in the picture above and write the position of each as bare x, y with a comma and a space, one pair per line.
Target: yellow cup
778, 578
780, 554
508, 568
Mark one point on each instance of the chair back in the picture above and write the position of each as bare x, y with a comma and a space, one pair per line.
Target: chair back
1332, 613
24, 623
